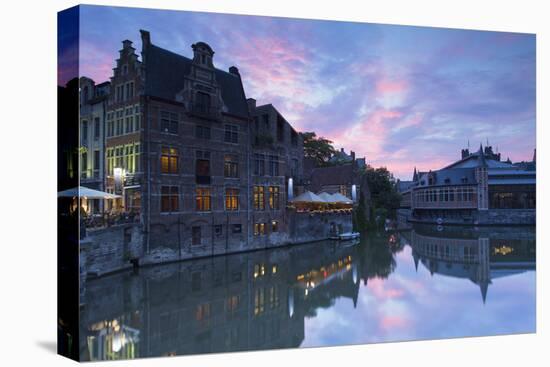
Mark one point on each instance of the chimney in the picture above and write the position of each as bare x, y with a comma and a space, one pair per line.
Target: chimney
145, 38
342, 150
251, 104
352, 153
234, 70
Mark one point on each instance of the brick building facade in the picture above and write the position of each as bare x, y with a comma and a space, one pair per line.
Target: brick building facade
183, 151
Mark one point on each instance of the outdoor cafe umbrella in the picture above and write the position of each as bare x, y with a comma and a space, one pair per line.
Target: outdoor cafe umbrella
326, 197
308, 197
86, 192
339, 198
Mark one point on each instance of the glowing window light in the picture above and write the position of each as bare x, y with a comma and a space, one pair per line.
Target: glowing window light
503, 250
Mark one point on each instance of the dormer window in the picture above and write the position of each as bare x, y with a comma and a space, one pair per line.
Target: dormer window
203, 102
202, 53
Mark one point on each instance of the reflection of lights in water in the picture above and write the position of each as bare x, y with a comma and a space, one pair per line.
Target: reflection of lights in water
290, 302
354, 274
118, 339
503, 250
118, 342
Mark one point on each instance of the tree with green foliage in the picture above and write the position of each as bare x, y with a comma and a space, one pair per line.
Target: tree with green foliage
360, 222
384, 196
318, 148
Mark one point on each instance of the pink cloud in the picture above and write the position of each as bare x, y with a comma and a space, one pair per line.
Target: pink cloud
415, 119
391, 86
369, 135
403, 167
95, 62
381, 291
393, 322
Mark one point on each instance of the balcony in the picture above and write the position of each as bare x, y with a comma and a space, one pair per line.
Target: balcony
132, 179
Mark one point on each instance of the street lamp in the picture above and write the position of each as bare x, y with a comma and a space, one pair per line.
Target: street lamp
119, 174
290, 189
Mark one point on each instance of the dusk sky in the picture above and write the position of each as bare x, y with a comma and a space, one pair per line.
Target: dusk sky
400, 96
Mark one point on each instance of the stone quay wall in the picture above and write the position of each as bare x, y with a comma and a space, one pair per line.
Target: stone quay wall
403, 218
490, 217
308, 227
120, 247
111, 249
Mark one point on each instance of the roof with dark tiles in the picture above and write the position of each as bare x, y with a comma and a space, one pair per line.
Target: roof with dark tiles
332, 175
166, 72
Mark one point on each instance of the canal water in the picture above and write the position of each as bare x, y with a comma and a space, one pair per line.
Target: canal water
425, 283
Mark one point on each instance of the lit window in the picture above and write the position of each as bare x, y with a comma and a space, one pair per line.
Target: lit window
203, 312
259, 229
169, 201
259, 198
274, 197
231, 199
169, 160
259, 299
203, 199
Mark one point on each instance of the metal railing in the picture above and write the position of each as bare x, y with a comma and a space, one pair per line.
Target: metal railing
106, 219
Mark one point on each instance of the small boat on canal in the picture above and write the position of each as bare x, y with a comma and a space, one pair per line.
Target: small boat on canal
345, 236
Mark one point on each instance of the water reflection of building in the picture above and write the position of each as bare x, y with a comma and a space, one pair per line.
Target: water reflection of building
241, 302
470, 254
